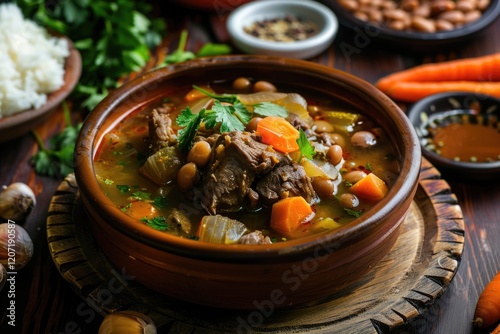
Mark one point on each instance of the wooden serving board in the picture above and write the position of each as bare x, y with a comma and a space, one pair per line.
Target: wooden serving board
399, 289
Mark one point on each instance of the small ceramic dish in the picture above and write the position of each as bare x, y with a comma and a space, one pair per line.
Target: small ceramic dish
324, 21
15, 126
460, 133
412, 40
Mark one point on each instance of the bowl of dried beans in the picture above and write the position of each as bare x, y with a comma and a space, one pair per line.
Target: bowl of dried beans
427, 25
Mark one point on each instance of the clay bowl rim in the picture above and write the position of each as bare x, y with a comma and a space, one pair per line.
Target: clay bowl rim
374, 218
20, 120
440, 102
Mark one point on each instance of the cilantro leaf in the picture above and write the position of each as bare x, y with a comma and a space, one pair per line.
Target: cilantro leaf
158, 223
141, 196
123, 188
42, 162
180, 55
229, 98
270, 109
305, 147
353, 213
56, 160
213, 49
225, 116
160, 202
126, 207
242, 112
191, 123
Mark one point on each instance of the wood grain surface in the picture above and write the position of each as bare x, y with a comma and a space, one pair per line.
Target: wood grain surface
398, 290
46, 303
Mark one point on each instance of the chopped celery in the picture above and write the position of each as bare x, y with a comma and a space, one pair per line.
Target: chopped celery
162, 166
342, 120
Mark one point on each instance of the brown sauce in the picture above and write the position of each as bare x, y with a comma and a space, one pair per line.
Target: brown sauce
468, 142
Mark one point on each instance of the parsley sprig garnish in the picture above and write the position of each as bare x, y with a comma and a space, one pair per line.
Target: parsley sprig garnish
158, 223
231, 117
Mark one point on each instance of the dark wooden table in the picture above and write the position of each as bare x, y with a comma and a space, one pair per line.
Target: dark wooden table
45, 303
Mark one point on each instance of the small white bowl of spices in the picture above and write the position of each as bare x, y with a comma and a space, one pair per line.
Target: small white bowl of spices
287, 28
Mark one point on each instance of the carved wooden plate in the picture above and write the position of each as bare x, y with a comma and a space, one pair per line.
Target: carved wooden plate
399, 289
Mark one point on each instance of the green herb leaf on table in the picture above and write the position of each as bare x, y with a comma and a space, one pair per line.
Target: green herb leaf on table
180, 54
56, 160
213, 49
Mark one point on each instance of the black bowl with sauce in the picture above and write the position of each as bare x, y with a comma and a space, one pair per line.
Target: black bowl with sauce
459, 133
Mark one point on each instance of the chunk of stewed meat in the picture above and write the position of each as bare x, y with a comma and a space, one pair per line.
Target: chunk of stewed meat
237, 157
286, 180
254, 238
160, 130
238, 162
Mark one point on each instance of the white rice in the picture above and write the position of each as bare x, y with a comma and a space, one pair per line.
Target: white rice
31, 62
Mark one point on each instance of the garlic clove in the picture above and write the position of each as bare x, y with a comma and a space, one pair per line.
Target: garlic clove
3, 276
16, 201
16, 246
127, 322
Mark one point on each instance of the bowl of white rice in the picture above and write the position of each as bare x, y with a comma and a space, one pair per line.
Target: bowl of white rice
37, 71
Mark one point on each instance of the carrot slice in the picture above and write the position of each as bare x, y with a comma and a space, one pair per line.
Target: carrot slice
289, 213
139, 210
371, 188
278, 133
488, 305
485, 68
414, 91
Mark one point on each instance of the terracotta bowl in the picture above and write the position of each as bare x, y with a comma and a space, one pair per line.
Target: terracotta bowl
19, 124
287, 274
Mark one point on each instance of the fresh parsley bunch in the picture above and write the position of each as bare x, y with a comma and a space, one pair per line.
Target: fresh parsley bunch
113, 37
56, 159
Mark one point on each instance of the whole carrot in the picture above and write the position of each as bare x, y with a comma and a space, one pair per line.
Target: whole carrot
485, 68
413, 91
488, 305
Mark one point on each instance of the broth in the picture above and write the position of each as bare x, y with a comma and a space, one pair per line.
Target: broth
126, 148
